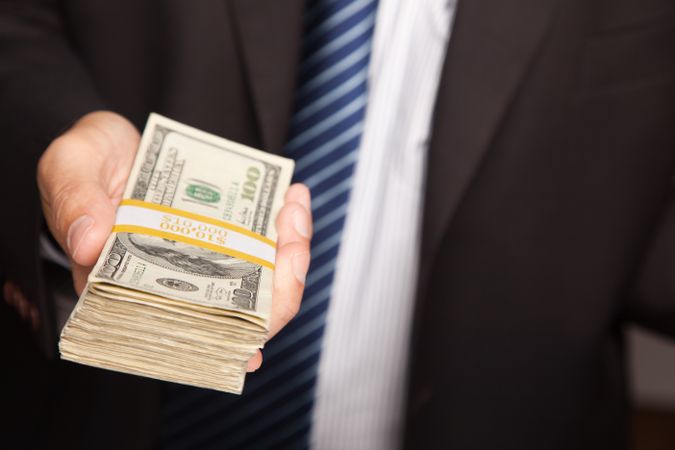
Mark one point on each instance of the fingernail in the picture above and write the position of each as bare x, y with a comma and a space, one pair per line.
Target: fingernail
300, 264
300, 223
76, 233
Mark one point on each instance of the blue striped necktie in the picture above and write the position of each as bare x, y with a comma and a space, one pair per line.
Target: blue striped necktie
276, 406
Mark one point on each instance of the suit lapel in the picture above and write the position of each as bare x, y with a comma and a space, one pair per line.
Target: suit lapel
270, 34
491, 45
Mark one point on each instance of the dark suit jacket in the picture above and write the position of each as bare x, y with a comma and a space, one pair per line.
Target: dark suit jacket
549, 213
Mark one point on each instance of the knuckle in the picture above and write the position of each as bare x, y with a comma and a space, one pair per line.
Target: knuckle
60, 203
291, 249
45, 163
299, 247
58, 146
42, 167
283, 252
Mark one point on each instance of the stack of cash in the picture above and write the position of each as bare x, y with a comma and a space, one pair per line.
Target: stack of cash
183, 288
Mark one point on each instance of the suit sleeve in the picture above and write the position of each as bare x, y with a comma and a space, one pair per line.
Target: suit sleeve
652, 304
44, 88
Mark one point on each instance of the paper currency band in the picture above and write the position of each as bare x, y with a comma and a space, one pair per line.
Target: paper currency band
137, 216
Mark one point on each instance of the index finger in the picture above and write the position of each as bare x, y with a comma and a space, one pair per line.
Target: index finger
294, 227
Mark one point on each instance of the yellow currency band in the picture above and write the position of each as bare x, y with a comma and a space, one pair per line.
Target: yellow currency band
130, 228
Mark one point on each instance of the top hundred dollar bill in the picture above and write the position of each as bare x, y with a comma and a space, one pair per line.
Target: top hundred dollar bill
196, 222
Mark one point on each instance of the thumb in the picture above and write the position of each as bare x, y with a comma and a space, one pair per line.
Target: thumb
81, 177
87, 217
79, 214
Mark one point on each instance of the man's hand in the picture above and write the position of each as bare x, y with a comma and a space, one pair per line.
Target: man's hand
81, 177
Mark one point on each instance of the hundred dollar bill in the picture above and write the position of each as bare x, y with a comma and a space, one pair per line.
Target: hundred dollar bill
183, 288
